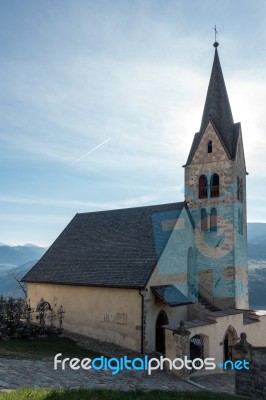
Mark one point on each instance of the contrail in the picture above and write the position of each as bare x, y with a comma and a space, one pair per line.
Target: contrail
95, 148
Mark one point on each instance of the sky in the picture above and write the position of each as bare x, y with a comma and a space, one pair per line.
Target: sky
100, 100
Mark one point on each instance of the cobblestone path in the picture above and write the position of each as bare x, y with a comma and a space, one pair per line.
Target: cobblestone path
17, 373
27, 373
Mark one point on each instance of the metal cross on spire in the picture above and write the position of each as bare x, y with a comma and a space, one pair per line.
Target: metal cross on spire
215, 33
216, 44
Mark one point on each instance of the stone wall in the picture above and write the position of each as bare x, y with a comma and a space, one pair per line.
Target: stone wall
252, 382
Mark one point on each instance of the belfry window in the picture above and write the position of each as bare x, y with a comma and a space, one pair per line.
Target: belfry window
209, 146
203, 193
204, 220
213, 220
215, 191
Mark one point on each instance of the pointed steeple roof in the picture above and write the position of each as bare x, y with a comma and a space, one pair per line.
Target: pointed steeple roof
217, 110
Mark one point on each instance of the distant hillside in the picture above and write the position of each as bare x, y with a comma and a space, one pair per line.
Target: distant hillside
256, 241
9, 285
15, 262
18, 255
6, 267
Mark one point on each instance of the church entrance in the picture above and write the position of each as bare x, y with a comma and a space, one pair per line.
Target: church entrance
160, 333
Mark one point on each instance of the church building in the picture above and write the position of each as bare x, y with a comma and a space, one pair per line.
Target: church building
130, 276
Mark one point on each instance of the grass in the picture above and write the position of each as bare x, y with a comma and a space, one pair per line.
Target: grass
43, 348
84, 394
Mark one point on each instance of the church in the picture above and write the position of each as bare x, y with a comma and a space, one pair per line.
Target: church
130, 276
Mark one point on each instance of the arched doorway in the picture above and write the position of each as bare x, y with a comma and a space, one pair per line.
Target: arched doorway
196, 348
230, 338
159, 332
227, 350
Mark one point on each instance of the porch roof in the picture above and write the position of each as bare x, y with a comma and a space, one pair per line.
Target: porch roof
169, 294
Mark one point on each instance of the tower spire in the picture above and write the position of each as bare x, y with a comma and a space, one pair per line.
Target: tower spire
217, 109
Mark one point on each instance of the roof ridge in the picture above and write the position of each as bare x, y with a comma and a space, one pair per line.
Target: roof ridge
133, 208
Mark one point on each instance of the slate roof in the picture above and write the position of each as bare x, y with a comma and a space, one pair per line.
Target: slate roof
108, 248
217, 110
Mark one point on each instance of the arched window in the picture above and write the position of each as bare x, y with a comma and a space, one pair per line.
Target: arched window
209, 146
204, 220
215, 186
213, 220
238, 188
203, 194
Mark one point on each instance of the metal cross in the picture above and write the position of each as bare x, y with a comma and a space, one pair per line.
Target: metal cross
215, 33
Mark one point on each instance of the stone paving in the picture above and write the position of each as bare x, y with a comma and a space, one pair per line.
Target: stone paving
24, 373
17, 373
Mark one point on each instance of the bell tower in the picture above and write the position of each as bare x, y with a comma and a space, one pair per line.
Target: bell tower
215, 193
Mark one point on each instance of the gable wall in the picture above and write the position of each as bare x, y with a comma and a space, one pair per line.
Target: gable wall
207, 164
86, 307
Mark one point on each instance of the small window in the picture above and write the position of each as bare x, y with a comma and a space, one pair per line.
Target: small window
240, 222
238, 188
210, 146
213, 220
203, 193
215, 185
241, 190
204, 220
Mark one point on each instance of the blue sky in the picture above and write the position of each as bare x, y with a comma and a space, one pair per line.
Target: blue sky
132, 74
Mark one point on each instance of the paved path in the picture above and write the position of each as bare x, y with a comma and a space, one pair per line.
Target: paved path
24, 373
17, 373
